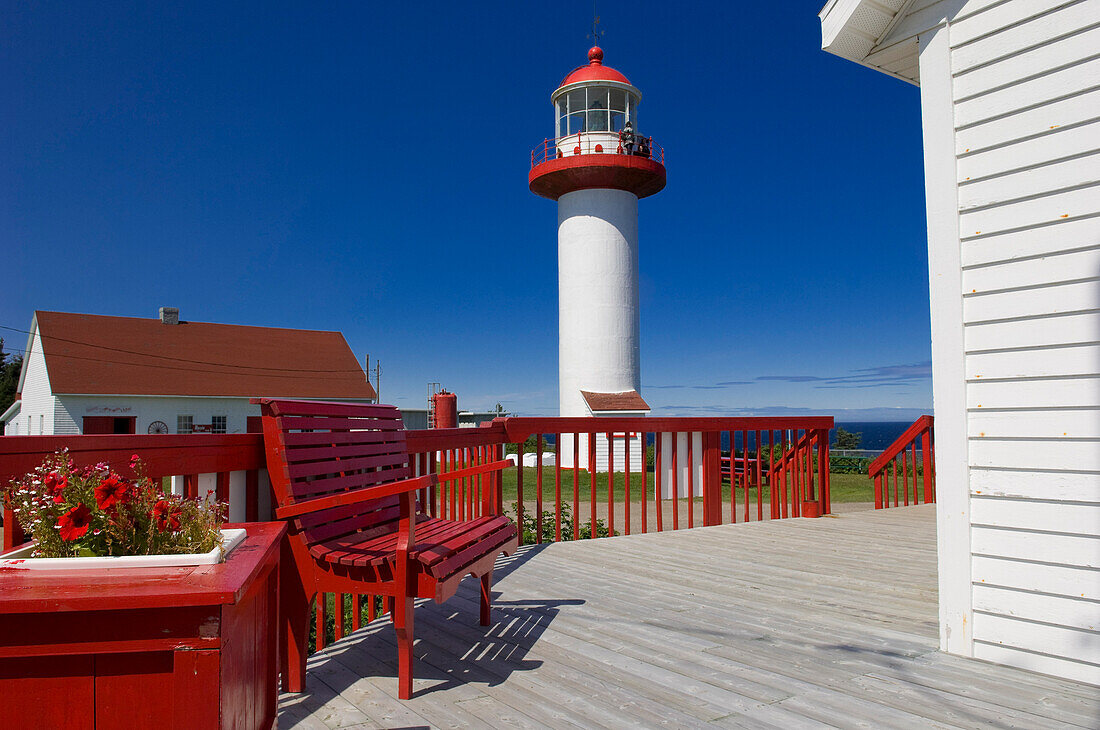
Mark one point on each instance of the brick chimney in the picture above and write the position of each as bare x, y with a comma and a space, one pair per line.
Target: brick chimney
169, 315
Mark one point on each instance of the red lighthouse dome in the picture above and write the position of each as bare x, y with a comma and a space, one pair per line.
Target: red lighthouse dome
597, 142
594, 70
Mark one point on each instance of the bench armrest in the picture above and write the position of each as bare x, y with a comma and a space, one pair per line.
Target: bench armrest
355, 496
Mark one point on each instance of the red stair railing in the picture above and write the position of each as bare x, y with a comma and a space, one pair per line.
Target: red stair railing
885, 468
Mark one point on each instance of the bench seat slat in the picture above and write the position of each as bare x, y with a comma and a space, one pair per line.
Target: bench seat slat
297, 439
310, 454
299, 423
436, 541
343, 466
324, 408
302, 488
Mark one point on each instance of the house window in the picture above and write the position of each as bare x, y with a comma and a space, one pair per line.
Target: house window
217, 424
185, 424
41, 424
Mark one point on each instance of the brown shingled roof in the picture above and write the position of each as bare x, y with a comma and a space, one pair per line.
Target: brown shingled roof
626, 401
95, 355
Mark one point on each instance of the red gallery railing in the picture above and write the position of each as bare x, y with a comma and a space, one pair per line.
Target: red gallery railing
612, 487
902, 456
585, 143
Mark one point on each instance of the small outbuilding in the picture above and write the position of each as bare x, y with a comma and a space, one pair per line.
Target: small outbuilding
92, 374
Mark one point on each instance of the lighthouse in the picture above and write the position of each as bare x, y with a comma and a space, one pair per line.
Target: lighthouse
596, 172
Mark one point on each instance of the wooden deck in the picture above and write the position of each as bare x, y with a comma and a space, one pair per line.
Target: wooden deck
784, 624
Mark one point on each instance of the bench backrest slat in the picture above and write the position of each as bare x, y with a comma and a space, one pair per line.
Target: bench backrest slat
329, 448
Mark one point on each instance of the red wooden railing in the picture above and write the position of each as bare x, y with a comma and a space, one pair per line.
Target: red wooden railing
686, 470
631, 497
550, 150
885, 468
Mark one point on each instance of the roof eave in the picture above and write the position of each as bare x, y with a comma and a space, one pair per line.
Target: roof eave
853, 29
13, 409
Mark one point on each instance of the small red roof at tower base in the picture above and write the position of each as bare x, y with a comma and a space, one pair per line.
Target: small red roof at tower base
629, 400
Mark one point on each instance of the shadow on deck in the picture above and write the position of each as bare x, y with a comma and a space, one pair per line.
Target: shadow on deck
785, 624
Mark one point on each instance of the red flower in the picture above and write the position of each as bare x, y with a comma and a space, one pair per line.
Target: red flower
134, 459
111, 490
74, 523
167, 515
55, 484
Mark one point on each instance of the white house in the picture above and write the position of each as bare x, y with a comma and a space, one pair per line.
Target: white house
85, 373
1010, 105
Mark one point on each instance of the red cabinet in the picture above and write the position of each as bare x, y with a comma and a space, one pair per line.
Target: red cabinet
123, 648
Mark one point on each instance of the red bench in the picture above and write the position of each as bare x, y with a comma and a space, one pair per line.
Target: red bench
358, 522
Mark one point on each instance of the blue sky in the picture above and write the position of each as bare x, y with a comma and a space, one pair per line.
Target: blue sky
362, 167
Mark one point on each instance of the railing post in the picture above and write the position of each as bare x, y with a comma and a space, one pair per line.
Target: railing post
823, 470
926, 463
712, 479
878, 490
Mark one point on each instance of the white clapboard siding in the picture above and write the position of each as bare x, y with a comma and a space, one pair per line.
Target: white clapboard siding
1048, 516
1008, 99
1048, 120
37, 409
1063, 298
1053, 579
1073, 550
1026, 182
1041, 59
1077, 613
1077, 360
1018, 86
1065, 235
1076, 423
1052, 208
1054, 485
1050, 454
1060, 143
1024, 333
1013, 42
1047, 393
968, 26
1049, 485
1036, 662
1037, 637
1067, 266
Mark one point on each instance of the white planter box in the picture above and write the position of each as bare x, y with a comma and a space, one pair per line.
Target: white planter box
20, 559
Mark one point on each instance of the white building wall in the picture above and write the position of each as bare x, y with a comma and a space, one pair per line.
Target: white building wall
147, 409
36, 415
1012, 115
1010, 101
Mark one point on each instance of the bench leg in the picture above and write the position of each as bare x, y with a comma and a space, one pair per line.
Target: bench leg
403, 624
294, 609
486, 598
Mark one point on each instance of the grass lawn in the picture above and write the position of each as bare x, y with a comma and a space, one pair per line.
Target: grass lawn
843, 487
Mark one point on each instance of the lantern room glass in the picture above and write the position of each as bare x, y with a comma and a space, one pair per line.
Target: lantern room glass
595, 109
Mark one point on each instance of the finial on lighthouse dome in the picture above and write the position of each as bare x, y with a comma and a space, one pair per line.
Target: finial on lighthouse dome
595, 55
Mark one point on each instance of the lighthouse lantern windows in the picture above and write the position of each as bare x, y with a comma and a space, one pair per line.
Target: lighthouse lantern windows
595, 109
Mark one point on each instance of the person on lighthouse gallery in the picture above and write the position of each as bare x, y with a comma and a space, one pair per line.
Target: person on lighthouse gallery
626, 138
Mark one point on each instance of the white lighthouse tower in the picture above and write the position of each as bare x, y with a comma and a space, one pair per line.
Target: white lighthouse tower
597, 177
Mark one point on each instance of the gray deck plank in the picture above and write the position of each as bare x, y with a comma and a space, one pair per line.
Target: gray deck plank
775, 624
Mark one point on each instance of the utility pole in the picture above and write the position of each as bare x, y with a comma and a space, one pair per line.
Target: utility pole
377, 376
